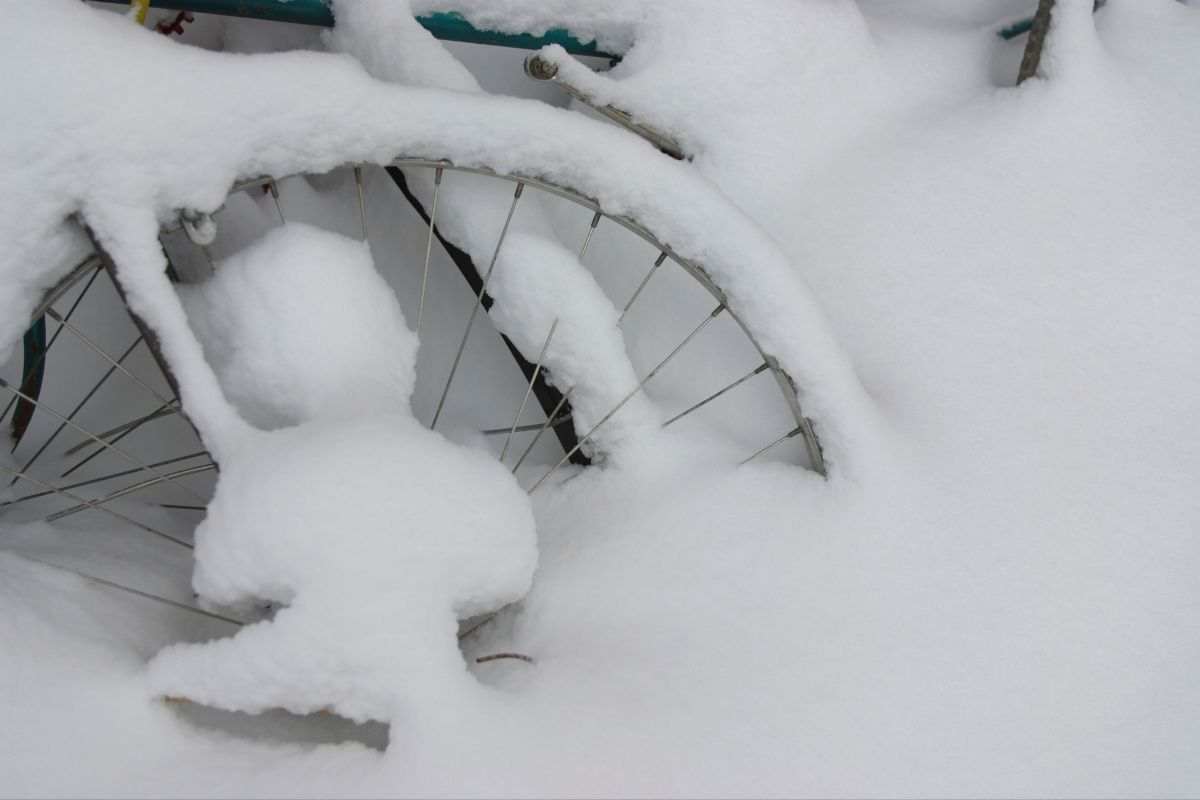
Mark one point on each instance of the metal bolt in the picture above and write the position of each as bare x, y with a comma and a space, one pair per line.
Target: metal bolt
540, 69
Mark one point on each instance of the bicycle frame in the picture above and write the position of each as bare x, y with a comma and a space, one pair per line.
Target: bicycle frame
447, 26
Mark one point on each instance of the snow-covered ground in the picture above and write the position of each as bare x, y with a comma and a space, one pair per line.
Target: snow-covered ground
988, 295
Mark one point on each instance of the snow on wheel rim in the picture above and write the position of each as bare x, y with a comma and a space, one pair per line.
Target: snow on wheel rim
788, 387
128, 185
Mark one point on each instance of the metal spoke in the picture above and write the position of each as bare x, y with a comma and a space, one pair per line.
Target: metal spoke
161, 411
251, 183
716, 394
773, 444
85, 432
479, 624
116, 439
638, 291
537, 370
588, 239
500, 656
152, 342
42, 356
552, 420
65, 285
78, 408
90, 504
533, 426
103, 478
437, 188
362, 200
478, 302
137, 592
128, 490
641, 384
273, 190
104, 355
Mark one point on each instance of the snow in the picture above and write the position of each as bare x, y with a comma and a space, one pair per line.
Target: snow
334, 344
374, 534
538, 282
385, 38
994, 594
377, 535
535, 280
137, 180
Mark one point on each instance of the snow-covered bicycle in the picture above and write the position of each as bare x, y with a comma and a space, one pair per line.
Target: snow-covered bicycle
628, 296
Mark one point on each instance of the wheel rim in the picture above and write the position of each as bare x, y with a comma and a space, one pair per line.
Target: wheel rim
173, 476
802, 427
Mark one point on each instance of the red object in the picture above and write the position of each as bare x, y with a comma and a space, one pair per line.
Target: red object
175, 25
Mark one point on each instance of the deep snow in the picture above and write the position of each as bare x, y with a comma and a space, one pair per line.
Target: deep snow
996, 596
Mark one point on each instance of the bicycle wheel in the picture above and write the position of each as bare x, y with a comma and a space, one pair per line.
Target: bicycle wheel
124, 438
555, 239
596, 225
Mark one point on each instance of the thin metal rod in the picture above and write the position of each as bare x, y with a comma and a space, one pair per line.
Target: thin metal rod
638, 291
533, 426
477, 625
716, 394
537, 370
437, 189
79, 407
42, 356
104, 355
543, 69
362, 200
478, 302
588, 239
90, 504
113, 440
131, 459
552, 420
65, 285
501, 656
136, 592
179, 507
773, 444
103, 478
128, 490
161, 411
641, 384
273, 190
152, 343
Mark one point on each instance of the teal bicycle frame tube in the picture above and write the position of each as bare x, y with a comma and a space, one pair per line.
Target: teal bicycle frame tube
448, 26
33, 371
1016, 29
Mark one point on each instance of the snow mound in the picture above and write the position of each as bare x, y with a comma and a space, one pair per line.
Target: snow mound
538, 281
300, 326
377, 534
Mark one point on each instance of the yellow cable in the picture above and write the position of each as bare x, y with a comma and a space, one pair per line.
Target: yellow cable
139, 9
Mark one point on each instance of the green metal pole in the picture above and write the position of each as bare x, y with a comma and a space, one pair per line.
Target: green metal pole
448, 26
452, 26
33, 371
